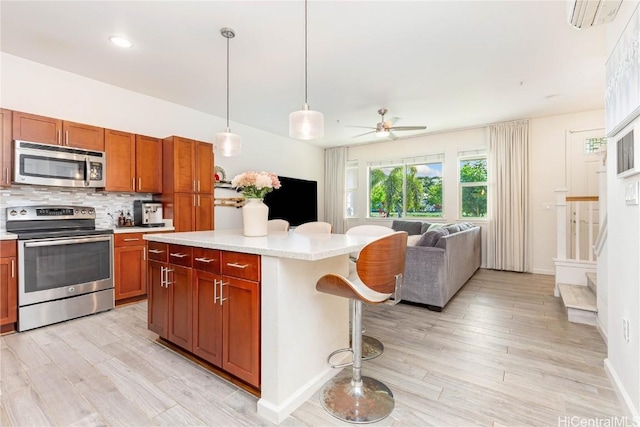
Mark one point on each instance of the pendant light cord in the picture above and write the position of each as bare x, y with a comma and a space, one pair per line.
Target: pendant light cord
227, 83
305, 52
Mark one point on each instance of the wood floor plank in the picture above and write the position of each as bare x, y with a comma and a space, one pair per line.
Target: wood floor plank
26, 408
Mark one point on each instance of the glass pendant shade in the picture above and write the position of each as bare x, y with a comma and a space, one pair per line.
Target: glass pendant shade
228, 144
306, 124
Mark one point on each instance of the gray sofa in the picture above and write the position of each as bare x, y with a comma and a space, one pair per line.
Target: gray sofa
438, 261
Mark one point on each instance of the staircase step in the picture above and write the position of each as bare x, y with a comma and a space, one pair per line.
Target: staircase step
580, 302
592, 282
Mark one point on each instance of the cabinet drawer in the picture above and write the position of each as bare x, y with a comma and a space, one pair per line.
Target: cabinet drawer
128, 239
242, 266
180, 255
206, 260
158, 251
7, 248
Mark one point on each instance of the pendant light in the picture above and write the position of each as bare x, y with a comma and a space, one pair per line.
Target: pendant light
228, 144
306, 124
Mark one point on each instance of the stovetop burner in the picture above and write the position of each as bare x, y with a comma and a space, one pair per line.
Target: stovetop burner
44, 222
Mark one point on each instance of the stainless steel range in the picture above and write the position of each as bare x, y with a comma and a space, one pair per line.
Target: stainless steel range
65, 265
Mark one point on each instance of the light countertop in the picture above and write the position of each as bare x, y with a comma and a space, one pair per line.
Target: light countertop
280, 244
5, 235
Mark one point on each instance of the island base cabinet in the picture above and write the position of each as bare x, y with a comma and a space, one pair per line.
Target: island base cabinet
180, 307
241, 329
130, 271
207, 317
158, 299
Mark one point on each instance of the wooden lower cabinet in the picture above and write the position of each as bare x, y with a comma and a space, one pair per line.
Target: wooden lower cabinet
130, 265
8, 283
214, 316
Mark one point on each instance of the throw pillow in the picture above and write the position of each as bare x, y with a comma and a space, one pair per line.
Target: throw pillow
436, 225
453, 228
430, 238
425, 227
411, 227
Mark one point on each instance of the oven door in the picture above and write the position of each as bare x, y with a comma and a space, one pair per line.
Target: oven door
51, 269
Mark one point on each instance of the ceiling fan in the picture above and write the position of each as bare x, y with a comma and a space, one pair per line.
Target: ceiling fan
385, 128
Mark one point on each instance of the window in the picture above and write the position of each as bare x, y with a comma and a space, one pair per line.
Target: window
409, 188
473, 187
351, 188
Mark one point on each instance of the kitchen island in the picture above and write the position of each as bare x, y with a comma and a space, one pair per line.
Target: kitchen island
299, 326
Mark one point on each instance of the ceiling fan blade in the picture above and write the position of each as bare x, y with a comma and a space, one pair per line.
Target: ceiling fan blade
407, 128
360, 127
391, 121
363, 134
392, 135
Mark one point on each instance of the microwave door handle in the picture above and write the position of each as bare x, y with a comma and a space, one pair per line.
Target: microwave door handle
87, 171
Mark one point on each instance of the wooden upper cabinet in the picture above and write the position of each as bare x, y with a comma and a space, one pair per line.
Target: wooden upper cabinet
204, 167
178, 165
120, 148
83, 136
47, 130
29, 127
148, 164
6, 152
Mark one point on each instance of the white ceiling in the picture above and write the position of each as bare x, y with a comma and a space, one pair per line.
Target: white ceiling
444, 64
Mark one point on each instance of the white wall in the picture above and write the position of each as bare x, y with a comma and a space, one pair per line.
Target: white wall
623, 362
34, 88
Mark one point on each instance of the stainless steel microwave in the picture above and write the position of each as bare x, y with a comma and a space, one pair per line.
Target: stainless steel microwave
45, 164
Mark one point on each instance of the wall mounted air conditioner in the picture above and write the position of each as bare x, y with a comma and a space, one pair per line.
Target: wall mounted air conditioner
587, 13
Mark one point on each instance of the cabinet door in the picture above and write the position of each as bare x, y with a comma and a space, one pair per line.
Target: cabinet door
204, 212
204, 168
8, 290
6, 151
130, 271
120, 148
180, 306
83, 136
183, 165
148, 164
241, 329
184, 211
29, 127
207, 317
158, 301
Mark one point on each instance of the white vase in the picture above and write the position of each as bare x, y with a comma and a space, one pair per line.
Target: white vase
255, 215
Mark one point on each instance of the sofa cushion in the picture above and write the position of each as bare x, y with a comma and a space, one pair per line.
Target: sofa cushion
413, 240
430, 238
453, 228
425, 227
411, 227
435, 226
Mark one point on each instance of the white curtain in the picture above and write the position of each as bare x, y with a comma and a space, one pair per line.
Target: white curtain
334, 169
507, 234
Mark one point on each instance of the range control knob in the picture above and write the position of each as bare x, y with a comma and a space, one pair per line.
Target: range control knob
83, 211
13, 212
23, 212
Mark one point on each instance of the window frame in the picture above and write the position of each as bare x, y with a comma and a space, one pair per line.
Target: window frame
461, 185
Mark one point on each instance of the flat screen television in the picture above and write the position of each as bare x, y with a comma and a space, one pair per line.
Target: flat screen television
296, 201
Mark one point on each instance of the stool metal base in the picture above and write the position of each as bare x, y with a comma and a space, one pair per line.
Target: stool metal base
371, 347
370, 402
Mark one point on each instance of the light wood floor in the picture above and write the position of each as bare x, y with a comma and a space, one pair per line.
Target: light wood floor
501, 354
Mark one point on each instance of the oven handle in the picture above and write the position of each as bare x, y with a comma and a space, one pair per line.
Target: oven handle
57, 242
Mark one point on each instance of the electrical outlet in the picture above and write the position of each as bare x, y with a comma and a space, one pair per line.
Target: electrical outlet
625, 329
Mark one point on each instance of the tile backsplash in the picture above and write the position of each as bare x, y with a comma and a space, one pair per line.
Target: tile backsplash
103, 202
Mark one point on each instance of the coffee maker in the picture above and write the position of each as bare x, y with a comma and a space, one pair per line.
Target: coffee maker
147, 213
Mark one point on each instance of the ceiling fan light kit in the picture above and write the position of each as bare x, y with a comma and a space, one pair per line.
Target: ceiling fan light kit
227, 144
306, 124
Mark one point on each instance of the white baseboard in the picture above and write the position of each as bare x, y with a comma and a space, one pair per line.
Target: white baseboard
627, 403
543, 271
603, 332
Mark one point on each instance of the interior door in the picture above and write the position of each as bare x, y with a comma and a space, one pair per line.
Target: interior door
582, 166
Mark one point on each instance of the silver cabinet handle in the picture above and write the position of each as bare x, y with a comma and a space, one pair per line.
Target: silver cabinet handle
58, 141
155, 251
162, 277
167, 282
198, 185
198, 200
8, 179
220, 298
207, 260
139, 183
130, 239
66, 138
233, 264
133, 184
194, 185
13, 268
178, 255
194, 200
144, 253
215, 290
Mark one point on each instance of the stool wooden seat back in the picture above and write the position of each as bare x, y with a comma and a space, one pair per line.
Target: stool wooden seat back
380, 268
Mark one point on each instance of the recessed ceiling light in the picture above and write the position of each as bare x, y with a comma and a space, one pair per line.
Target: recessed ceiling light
119, 41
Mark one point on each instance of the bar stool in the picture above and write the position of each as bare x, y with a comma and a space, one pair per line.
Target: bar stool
380, 268
277, 225
314, 227
371, 347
